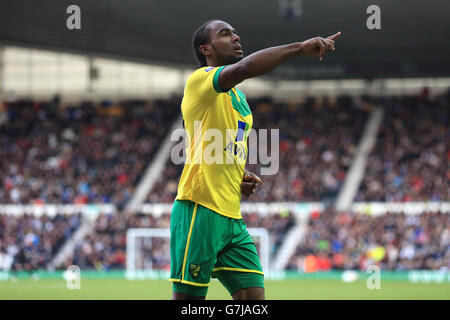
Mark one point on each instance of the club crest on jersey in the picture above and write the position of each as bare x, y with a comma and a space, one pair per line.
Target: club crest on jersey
194, 269
239, 144
209, 69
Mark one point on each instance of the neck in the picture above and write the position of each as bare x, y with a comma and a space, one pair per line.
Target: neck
212, 63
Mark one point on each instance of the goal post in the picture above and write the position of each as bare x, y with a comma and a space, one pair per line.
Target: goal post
133, 247
141, 239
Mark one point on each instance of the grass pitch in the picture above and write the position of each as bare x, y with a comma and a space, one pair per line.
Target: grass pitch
298, 289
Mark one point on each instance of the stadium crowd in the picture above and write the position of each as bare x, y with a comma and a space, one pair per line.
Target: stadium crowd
89, 153
29, 242
278, 224
317, 140
104, 248
394, 241
410, 161
83, 153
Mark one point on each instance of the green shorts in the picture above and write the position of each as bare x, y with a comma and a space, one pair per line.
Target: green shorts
205, 244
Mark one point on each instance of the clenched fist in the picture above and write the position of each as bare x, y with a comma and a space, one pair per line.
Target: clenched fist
249, 183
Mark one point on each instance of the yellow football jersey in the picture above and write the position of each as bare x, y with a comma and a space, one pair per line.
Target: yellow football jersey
217, 125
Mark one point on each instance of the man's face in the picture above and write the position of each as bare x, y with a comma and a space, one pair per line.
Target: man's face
225, 43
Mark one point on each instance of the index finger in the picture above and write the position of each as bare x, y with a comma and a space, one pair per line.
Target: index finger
334, 36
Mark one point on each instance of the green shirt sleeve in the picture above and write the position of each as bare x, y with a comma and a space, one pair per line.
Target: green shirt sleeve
216, 81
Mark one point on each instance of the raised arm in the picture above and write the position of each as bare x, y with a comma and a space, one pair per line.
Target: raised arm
263, 61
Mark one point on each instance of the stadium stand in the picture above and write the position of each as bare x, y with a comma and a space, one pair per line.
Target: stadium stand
85, 153
92, 154
28, 242
318, 138
393, 241
410, 161
105, 247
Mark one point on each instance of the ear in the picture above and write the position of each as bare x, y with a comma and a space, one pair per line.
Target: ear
205, 49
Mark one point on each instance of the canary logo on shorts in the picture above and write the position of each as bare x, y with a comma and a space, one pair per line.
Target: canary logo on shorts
194, 269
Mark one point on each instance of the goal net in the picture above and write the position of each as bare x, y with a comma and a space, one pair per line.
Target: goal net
148, 251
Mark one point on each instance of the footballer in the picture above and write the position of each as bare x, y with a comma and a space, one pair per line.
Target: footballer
208, 236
